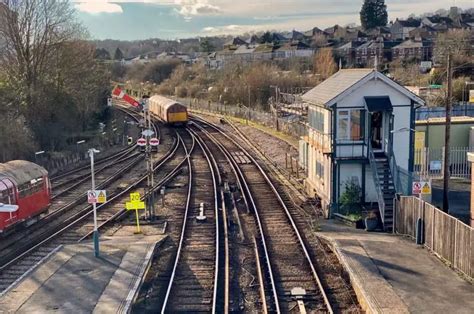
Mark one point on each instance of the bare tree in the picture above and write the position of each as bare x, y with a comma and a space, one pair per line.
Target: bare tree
31, 31
324, 63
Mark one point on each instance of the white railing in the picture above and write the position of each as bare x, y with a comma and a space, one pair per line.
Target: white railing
428, 162
378, 187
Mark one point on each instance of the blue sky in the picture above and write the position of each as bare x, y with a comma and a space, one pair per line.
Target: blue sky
170, 19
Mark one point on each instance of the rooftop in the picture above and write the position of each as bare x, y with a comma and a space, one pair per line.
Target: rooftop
335, 85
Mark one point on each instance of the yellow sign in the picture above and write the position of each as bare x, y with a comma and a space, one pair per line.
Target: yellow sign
471, 95
134, 197
135, 204
419, 140
102, 197
426, 189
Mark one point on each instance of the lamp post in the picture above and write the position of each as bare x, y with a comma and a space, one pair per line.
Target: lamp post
93, 151
79, 143
36, 155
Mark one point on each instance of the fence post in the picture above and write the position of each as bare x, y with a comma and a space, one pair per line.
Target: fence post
443, 154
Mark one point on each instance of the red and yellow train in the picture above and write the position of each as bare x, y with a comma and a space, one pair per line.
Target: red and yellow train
27, 185
168, 110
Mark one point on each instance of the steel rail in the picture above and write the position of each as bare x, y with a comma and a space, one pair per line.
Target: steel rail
83, 214
288, 214
243, 183
181, 239
211, 161
156, 187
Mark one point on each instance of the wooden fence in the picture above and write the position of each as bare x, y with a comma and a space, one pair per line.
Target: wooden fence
445, 235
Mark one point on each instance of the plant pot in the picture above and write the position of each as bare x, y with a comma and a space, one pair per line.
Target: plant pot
371, 224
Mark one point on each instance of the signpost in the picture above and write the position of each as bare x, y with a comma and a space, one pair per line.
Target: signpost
416, 187
97, 196
135, 204
141, 142
421, 187
93, 196
154, 141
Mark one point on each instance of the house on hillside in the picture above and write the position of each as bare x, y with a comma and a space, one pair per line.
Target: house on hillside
401, 29
413, 50
360, 126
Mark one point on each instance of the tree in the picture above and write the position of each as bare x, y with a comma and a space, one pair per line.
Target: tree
324, 64
206, 46
102, 54
54, 84
118, 55
266, 38
373, 14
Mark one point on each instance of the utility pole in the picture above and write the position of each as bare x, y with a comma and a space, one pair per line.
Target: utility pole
148, 133
447, 137
95, 235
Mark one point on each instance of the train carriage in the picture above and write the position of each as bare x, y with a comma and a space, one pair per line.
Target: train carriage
168, 110
27, 185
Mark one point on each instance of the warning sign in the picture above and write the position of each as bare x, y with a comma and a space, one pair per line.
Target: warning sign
426, 189
91, 197
101, 196
97, 196
421, 187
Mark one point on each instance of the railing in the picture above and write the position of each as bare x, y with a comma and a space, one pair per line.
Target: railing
378, 188
429, 162
402, 179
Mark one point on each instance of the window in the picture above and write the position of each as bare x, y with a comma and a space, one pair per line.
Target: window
316, 119
350, 125
319, 170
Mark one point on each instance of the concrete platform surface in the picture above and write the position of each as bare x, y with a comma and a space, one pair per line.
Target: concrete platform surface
74, 281
394, 275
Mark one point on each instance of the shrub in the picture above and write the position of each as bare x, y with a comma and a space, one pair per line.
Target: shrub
350, 200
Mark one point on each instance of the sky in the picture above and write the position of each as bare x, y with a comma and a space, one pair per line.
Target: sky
172, 19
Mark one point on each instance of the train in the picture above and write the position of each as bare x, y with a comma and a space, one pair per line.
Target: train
169, 111
26, 185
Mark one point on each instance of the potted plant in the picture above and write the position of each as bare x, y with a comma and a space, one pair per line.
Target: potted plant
371, 221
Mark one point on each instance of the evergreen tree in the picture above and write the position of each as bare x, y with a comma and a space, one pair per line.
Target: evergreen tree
266, 38
207, 46
373, 14
118, 54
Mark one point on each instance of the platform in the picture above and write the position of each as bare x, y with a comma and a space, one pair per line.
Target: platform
74, 281
394, 275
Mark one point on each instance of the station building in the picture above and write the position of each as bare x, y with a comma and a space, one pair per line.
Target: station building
360, 130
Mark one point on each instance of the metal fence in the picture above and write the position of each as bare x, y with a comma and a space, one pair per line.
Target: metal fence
440, 112
429, 162
445, 235
292, 125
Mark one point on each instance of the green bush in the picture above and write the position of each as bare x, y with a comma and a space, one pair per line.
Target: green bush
350, 201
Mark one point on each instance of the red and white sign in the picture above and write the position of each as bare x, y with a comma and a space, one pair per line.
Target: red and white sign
416, 187
154, 141
119, 93
91, 197
141, 142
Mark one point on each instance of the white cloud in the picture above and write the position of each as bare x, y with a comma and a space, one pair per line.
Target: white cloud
98, 6
189, 8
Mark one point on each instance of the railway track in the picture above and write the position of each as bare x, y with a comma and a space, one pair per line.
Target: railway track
287, 275
38, 243
193, 283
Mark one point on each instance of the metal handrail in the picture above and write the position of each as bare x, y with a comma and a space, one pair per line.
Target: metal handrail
395, 174
378, 188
